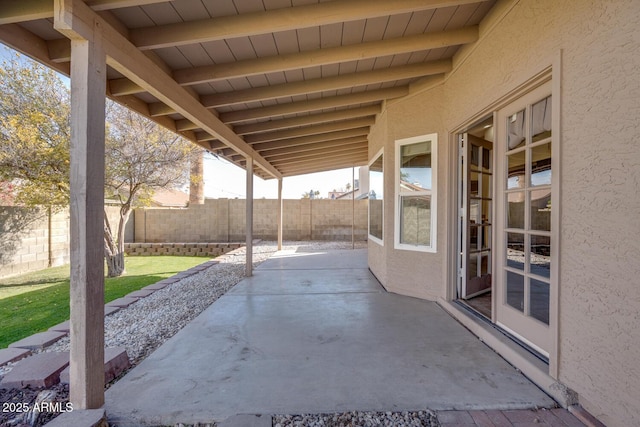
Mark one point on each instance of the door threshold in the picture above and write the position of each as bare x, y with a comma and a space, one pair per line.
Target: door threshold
535, 368
472, 311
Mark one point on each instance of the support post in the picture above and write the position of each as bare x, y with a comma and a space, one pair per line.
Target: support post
280, 213
249, 216
88, 85
353, 207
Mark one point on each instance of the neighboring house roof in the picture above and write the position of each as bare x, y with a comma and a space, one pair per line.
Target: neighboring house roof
7, 196
170, 198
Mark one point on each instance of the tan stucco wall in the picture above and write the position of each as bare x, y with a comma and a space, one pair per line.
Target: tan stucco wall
599, 325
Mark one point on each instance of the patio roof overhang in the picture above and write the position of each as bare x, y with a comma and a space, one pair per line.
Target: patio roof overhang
279, 87
295, 85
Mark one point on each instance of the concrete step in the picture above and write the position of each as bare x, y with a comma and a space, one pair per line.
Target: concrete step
116, 362
37, 371
38, 341
8, 355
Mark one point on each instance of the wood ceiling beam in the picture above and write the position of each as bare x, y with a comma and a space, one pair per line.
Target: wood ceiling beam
318, 57
310, 130
342, 81
283, 19
75, 17
190, 76
314, 105
289, 149
323, 165
123, 86
361, 132
307, 120
25, 41
310, 150
184, 125
341, 154
12, 11
160, 109
322, 157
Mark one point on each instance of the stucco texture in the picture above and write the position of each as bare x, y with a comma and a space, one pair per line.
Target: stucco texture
599, 167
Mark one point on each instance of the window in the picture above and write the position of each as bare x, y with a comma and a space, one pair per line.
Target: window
376, 204
415, 208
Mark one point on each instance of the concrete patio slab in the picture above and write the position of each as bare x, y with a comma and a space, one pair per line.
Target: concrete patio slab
315, 281
8, 355
38, 341
269, 347
39, 370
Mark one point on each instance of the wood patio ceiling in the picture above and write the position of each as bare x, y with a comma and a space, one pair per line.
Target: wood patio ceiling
295, 84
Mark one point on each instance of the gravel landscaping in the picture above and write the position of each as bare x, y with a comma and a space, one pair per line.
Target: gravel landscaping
148, 323
359, 419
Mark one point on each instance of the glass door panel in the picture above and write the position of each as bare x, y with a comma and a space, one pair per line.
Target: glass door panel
476, 208
524, 282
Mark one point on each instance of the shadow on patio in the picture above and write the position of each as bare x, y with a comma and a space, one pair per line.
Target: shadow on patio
315, 332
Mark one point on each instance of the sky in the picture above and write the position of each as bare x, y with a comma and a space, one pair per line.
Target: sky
223, 179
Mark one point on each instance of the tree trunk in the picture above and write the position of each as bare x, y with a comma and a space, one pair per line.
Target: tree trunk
196, 187
114, 249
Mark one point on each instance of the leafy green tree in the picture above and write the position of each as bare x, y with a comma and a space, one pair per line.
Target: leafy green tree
34, 133
141, 157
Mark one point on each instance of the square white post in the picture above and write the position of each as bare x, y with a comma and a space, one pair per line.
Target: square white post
249, 216
280, 214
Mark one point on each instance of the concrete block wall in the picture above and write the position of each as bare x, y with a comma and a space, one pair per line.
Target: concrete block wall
180, 249
223, 220
32, 239
36, 244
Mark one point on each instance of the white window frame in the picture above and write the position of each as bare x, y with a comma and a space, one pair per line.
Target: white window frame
433, 138
371, 237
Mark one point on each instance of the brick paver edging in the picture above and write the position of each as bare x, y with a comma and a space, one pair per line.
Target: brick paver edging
44, 339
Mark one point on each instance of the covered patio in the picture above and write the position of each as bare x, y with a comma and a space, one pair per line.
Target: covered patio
314, 332
277, 88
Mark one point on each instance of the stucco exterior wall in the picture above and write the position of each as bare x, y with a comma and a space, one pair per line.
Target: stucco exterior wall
599, 172
405, 271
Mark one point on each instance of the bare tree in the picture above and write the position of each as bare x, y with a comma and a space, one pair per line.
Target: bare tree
141, 157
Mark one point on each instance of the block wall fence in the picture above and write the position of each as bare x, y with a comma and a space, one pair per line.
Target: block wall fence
32, 239
223, 220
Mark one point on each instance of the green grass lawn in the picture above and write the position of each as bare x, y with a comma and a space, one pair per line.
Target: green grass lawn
34, 302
